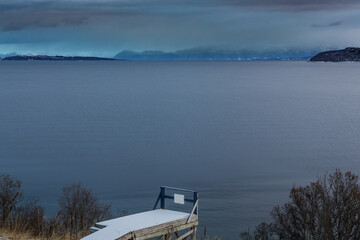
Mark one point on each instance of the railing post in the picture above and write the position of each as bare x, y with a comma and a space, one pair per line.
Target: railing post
194, 233
196, 197
157, 201
162, 195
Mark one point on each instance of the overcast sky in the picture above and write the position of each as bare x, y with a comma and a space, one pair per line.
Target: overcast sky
106, 27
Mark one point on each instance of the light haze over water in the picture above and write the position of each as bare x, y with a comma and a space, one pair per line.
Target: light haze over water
241, 133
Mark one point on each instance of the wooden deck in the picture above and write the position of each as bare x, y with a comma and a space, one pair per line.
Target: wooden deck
151, 224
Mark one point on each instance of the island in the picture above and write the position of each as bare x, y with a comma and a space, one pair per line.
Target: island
350, 54
55, 58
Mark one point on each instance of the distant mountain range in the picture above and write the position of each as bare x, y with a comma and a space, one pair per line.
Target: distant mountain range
213, 54
204, 54
7, 55
54, 58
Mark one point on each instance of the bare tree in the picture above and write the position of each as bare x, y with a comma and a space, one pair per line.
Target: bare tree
80, 209
10, 196
246, 236
263, 231
328, 209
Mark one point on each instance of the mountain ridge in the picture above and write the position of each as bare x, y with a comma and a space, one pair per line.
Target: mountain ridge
215, 54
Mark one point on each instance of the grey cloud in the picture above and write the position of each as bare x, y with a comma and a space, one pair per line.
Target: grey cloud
42, 20
294, 5
106, 26
332, 24
19, 14
49, 14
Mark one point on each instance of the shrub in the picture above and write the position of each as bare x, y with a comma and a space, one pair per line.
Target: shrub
28, 218
80, 209
326, 209
10, 196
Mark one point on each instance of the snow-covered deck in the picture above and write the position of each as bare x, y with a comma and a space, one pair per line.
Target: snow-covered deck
150, 224
119, 227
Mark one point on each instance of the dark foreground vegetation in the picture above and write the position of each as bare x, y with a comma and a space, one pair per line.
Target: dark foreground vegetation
328, 209
23, 218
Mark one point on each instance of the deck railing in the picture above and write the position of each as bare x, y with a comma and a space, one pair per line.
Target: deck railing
178, 198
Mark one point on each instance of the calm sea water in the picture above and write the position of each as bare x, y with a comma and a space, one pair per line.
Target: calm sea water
241, 133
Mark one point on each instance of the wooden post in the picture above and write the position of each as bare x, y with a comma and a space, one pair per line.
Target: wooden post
168, 236
194, 233
196, 197
162, 200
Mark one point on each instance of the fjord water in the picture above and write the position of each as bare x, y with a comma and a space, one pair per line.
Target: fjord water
241, 133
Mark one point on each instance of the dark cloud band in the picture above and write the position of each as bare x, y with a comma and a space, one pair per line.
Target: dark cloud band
294, 4
19, 14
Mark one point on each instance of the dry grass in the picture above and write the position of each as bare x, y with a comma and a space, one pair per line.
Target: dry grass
8, 235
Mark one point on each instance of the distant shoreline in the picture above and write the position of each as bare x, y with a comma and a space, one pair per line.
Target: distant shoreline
88, 59
170, 56
350, 54
56, 58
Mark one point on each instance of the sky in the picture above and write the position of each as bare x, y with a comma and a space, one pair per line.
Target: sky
107, 27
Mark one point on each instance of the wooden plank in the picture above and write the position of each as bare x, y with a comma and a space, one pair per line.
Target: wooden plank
99, 226
185, 235
94, 229
164, 232
193, 210
178, 189
161, 230
167, 225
